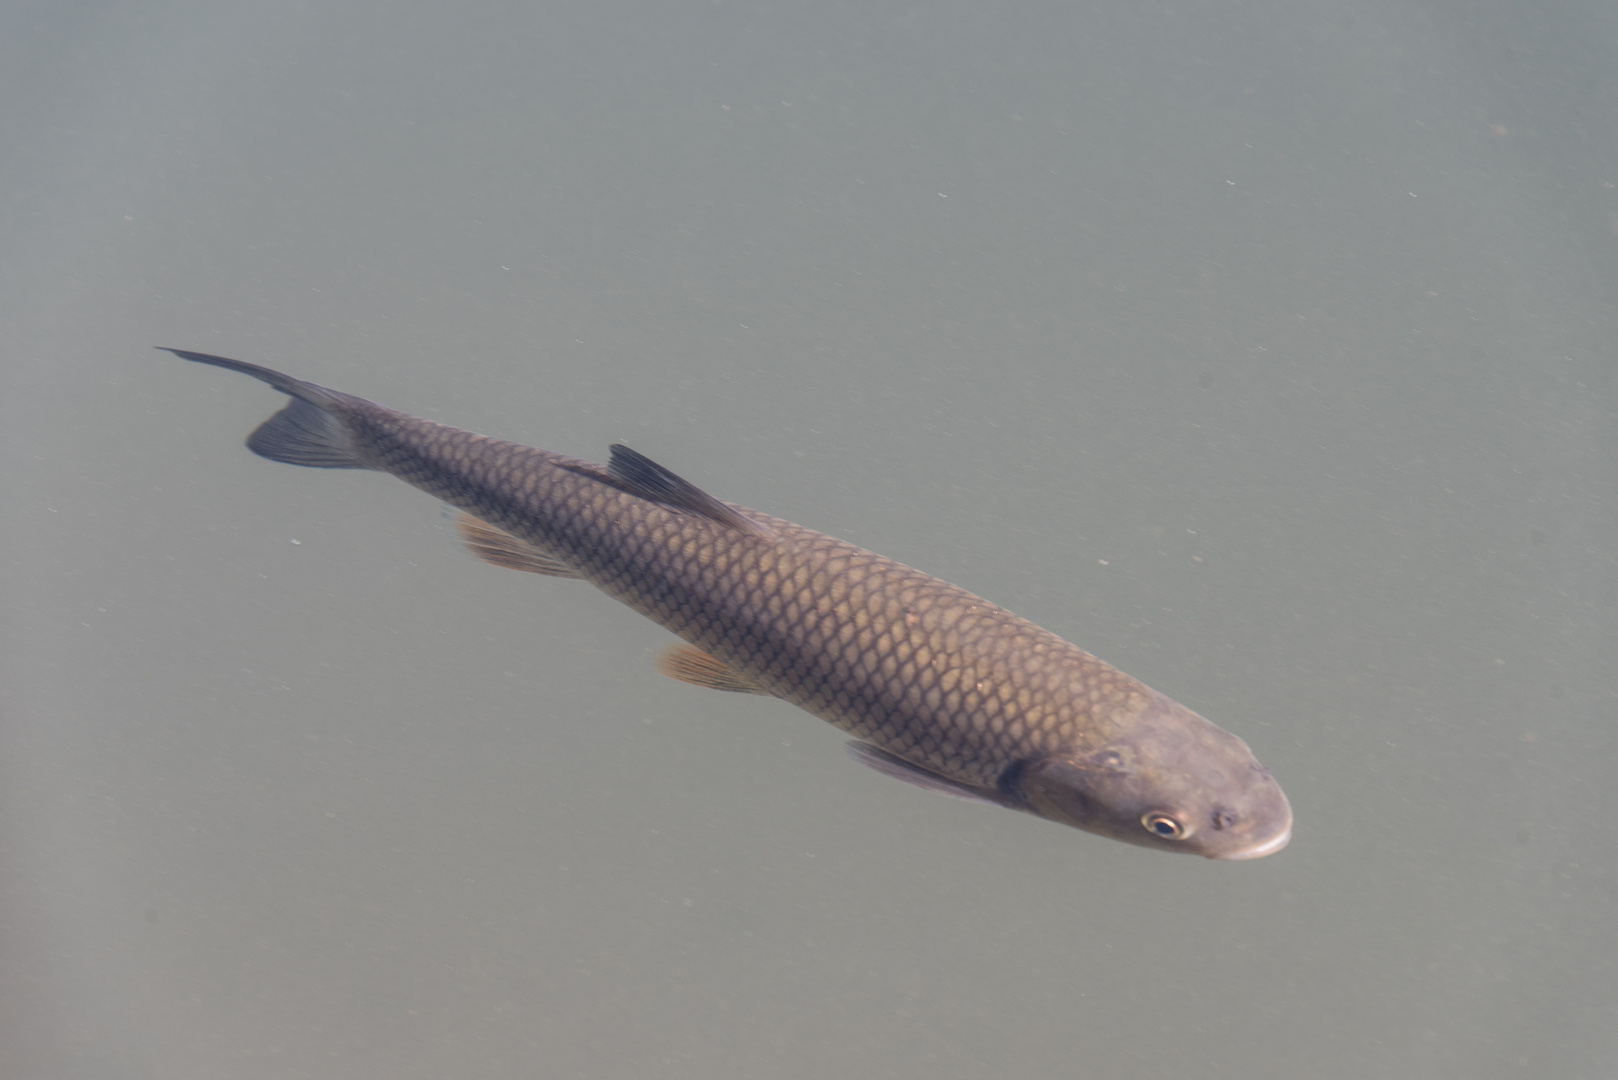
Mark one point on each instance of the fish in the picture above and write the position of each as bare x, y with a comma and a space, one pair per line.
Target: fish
939, 688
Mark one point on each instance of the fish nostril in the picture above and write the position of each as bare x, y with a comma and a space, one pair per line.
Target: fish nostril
1223, 819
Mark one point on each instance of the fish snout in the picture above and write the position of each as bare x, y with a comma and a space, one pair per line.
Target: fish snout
1262, 848
1172, 781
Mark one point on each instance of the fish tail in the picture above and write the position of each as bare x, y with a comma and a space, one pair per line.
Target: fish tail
309, 430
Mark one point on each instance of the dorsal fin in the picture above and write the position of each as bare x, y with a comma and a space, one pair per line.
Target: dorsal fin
640, 475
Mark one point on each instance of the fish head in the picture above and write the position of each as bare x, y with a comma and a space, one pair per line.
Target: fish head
1163, 778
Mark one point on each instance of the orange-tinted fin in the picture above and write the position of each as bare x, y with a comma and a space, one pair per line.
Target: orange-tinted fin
690, 664
496, 546
897, 767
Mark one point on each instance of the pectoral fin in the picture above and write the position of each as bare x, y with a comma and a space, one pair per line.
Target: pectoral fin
498, 547
897, 767
690, 664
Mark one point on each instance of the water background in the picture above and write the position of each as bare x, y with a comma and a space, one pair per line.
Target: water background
1265, 349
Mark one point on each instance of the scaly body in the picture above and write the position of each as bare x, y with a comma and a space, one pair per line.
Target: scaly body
941, 687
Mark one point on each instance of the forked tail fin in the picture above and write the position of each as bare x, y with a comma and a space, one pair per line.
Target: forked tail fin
309, 429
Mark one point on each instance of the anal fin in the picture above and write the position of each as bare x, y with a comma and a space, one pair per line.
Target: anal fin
691, 665
897, 767
496, 546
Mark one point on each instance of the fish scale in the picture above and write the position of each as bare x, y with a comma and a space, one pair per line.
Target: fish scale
875, 647
943, 688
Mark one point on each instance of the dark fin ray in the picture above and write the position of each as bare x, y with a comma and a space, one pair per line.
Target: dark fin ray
690, 664
306, 431
897, 767
640, 475
284, 383
499, 548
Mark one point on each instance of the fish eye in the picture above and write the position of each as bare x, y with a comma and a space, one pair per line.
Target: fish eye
1165, 825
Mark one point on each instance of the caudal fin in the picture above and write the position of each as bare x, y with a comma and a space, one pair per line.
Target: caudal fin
307, 431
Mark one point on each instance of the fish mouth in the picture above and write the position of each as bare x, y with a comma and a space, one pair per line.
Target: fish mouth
1259, 850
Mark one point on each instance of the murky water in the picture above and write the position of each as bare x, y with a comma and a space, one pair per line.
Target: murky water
1265, 351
